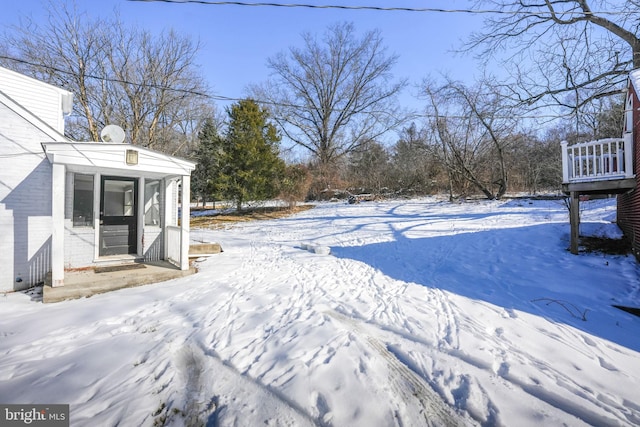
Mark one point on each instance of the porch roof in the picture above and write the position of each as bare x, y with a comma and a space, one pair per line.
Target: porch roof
112, 158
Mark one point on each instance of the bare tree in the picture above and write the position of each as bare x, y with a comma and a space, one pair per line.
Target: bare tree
156, 80
472, 128
605, 118
335, 93
182, 138
118, 74
581, 50
65, 53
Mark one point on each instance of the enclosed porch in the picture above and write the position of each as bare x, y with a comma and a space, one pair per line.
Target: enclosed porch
116, 205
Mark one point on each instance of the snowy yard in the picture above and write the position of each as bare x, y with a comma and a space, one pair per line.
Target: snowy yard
424, 313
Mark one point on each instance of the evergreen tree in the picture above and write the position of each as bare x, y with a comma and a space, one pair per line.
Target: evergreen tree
207, 182
251, 166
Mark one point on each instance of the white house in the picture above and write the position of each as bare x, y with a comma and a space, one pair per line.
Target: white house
69, 205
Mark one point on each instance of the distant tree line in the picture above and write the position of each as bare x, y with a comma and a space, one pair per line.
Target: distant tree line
456, 155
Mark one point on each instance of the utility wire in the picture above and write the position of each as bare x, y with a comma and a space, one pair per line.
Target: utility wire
387, 9
114, 80
259, 101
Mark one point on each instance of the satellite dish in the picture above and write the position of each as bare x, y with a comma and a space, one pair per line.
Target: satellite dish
112, 133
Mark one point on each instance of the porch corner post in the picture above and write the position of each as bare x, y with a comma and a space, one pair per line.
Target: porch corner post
574, 219
565, 161
57, 226
184, 222
166, 216
141, 219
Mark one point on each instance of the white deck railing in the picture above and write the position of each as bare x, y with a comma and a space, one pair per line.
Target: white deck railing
604, 159
173, 244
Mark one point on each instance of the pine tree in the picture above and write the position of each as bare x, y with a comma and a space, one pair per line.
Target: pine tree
251, 166
207, 182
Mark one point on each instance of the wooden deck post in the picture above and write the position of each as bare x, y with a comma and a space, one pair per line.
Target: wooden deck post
574, 219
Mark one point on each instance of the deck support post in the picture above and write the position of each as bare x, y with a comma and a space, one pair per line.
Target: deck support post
574, 219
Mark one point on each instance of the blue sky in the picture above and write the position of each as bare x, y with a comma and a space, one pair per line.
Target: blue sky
236, 40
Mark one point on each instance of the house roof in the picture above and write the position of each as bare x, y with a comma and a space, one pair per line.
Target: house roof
91, 157
634, 79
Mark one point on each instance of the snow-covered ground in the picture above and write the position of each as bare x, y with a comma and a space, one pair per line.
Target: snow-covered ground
424, 313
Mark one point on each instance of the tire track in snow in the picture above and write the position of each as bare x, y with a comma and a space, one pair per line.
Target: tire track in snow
412, 388
505, 354
380, 301
340, 291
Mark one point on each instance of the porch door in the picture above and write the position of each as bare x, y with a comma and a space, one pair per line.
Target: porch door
118, 216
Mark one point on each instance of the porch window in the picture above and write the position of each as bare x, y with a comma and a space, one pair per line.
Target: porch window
119, 198
82, 200
152, 203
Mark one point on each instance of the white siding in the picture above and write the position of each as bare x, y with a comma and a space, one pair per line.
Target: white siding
25, 202
153, 244
78, 246
41, 99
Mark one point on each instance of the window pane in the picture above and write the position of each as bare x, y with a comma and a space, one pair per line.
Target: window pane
152, 203
119, 198
128, 202
82, 200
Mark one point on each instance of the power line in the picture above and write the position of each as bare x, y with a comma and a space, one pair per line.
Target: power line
259, 101
385, 9
106, 79
127, 82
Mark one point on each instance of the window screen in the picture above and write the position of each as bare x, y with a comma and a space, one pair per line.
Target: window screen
152, 203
